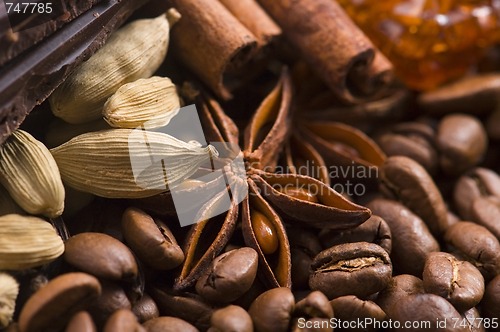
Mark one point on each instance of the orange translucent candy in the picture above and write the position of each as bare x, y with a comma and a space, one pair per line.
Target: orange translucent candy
428, 41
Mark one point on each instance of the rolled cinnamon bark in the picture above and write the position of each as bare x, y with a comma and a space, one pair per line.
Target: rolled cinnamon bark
210, 41
332, 45
255, 19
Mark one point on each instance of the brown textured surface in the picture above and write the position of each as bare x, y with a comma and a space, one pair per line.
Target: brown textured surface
30, 78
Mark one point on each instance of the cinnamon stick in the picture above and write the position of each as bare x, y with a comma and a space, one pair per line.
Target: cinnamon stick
251, 14
332, 44
210, 41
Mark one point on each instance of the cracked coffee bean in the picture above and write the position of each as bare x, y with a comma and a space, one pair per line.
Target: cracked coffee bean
359, 269
459, 282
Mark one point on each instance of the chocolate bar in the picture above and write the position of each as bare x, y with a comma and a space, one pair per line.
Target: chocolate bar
31, 77
25, 25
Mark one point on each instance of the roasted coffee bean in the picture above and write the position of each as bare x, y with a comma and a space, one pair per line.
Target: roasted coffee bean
475, 94
462, 142
101, 255
153, 242
430, 308
229, 276
301, 264
168, 324
359, 269
457, 281
473, 320
477, 245
350, 308
490, 305
315, 304
272, 310
411, 239
186, 306
231, 318
304, 245
410, 183
413, 140
493, 125
53, 305
123, 320
145, 309
399, 287
486, 212
112, 298
81, 322
374, 230
475, 183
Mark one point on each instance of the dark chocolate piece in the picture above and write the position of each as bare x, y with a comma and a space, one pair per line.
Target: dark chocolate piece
30, 78
18, 32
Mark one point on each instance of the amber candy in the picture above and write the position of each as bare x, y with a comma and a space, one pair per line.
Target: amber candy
428, 41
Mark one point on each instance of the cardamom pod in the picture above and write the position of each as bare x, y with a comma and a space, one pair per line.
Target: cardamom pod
134, 51
9, 288
152, 102
127, 163
31, 176
26, 242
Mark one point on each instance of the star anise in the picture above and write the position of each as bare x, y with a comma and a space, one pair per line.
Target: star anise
273, 198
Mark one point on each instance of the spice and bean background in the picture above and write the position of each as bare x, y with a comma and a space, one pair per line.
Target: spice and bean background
250, 165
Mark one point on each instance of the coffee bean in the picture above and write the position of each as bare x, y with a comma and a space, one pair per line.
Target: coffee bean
272, 310
462, 142
399, 287
168, 324
315, 304
359, 269
145, 309
229, 276
477, 245
304, 245
350, 308
411, 239
491, 301
53, 305
473, 320
418, 308
231, 318
486, 212
153, 242
413, 140
476, 94
101, 255
410, 183
374, 230
475, 183
457, 281
186, 306
493, 125
81, 322
112, 298
123, 320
